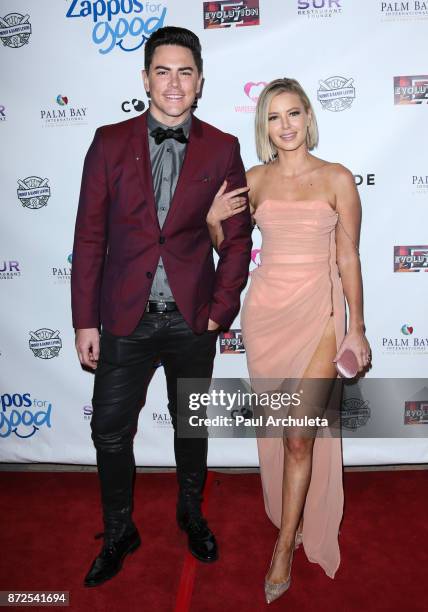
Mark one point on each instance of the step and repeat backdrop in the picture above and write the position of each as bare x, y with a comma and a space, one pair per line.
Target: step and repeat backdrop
70, 66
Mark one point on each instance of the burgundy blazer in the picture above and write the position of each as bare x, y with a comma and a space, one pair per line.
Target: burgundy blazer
118, 241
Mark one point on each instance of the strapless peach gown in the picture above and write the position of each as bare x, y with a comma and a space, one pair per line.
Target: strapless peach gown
285, 312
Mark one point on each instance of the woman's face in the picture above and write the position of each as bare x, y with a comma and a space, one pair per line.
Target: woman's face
288, 122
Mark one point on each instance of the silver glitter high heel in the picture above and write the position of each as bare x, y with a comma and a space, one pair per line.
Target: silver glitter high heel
298, 539
274, 590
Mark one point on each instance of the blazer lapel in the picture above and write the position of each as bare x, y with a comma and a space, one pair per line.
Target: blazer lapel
191, 159
140, 146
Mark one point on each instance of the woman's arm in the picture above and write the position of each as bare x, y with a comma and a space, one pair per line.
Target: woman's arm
348, 206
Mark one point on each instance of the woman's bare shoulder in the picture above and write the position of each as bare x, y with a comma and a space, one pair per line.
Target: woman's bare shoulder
255, 174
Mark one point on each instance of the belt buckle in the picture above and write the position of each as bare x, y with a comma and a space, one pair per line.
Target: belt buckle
164, 307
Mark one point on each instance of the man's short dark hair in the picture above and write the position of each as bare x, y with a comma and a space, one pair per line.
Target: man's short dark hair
171, 35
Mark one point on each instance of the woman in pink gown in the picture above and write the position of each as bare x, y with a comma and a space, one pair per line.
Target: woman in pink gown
293, 318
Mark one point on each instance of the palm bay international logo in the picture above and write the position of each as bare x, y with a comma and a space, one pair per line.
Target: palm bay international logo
407, 343
411, 89
45, 343
404, 11
226, 14
137, 105
319, 9
23, 416
9, 269
416, 409
420, 184
126, 24
252, 90
15, 30
33, 192
161, 420
62, 274
2, 113
231, 342
63, 114
411, 258
336, 93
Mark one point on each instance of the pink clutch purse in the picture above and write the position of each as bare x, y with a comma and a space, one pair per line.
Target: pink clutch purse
347, 364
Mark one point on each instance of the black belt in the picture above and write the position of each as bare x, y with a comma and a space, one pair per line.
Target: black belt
161, 306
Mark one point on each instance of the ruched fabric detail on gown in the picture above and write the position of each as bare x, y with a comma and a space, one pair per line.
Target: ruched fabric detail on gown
284, 315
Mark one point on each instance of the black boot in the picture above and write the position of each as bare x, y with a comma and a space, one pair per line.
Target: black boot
120, 538
201, 540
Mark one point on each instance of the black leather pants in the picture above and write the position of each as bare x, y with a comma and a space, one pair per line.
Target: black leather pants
124, 370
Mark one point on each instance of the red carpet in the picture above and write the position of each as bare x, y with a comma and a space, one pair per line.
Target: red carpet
49, 520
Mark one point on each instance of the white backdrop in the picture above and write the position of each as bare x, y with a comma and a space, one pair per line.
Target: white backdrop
59, 84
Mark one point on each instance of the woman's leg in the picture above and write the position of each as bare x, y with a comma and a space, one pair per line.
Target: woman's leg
298, 455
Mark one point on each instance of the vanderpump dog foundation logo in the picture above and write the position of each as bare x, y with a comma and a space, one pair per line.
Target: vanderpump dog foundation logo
15, 30
416, 409
355, 413
123, 24
45, 343
231, 342
63, 113
226, 14
336, 93
411, 89
9, 269
33, 192
411, 258
319, 9
407, 343
22, 416
404, 11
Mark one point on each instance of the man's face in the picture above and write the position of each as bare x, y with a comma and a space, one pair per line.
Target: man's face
173, 82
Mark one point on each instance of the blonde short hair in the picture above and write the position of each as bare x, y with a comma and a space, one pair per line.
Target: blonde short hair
266, 150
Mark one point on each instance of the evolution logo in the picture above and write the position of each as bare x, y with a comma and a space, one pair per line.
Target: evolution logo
411, 89
15, 30
410, 344
65, 115
404, 11
336, 93
45, 343
226, 13
411, 258
252, 91
319, 9
33, 192
231, 342
23, 416
2, 113
62, 275
9, 269
126, 24
416, 409
138, 105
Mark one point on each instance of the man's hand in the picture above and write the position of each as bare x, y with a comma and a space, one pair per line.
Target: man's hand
212, 325
88, 346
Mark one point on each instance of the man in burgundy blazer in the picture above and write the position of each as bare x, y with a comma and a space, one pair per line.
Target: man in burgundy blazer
143, 272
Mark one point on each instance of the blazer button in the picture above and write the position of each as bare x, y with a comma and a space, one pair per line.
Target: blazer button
149, 275
161, 239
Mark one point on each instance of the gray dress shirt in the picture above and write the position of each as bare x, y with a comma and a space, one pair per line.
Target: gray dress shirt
166, 160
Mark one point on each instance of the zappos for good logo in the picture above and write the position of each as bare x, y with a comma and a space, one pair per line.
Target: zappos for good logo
45, 343
33, 192
15, 30
23, 416
126, 24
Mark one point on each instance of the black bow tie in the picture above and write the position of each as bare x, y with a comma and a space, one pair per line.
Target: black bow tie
160, 134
